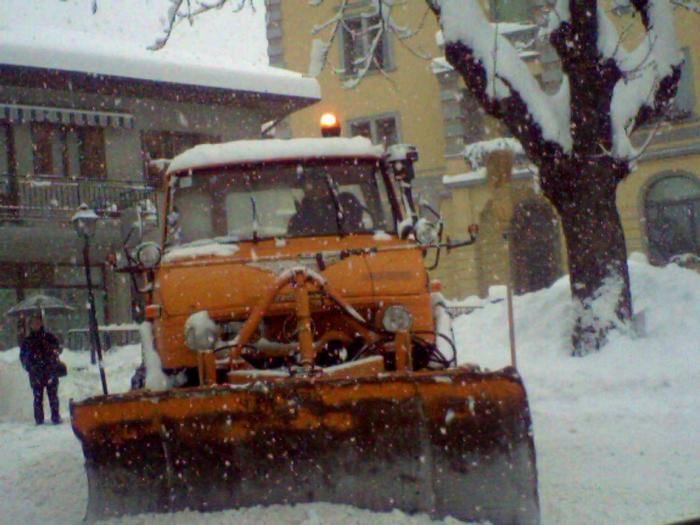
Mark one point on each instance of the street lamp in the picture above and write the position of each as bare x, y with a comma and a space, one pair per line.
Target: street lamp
85, 221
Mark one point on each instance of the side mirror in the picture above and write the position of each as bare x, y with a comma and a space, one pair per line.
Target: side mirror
426, 232
148, 254
137, 222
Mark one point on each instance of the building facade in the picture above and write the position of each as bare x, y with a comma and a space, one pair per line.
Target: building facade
95, 131
417, 98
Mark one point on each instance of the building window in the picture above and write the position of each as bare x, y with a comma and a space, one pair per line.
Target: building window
363, 38
511, 10
7, 162
168, 144
472, 116
159, 146
74, 151
5, 152
382, 129
672, 210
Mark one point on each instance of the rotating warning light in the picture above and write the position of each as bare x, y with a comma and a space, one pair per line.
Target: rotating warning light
330, 127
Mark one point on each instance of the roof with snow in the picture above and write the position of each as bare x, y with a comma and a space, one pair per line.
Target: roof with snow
273, 150
99, 58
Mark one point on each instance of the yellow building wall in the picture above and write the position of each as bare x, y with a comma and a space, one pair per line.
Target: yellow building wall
412, 90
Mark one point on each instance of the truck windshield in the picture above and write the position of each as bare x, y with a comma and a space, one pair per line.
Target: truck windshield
279, 200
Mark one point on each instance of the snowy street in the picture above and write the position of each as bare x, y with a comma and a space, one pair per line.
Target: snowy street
327, 244
616, 433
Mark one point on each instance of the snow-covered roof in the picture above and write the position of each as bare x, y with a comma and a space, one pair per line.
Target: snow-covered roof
246, 151
73, 51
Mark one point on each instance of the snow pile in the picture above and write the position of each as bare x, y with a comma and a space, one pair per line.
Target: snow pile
307, 514
616, 432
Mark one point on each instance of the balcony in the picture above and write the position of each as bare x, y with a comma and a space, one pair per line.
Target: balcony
52, 199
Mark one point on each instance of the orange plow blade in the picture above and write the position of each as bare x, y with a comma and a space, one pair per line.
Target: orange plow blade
450, 443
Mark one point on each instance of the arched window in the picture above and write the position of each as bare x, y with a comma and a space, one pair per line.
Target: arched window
672, 210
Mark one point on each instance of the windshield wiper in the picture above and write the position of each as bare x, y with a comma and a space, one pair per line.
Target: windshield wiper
227, 239
339, 212
255, 218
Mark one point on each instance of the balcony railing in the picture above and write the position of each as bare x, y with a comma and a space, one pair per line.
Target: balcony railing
51, 199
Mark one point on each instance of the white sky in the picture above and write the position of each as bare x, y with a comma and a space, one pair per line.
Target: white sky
221, 36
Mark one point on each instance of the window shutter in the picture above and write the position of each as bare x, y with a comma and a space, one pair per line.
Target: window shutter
41, 145
362, 129
92, 153
684, 103
4, 150
351, 44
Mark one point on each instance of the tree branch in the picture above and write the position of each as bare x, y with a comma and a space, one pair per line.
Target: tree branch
687, 4
657, 18
501, 81
176, 14
376, 33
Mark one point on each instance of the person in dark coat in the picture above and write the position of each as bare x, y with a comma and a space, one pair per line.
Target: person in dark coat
352, 212
316, 213
39, 356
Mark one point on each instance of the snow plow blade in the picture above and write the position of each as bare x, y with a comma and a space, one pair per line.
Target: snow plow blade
450, 443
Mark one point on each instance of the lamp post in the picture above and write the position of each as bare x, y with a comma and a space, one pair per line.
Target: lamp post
85, 221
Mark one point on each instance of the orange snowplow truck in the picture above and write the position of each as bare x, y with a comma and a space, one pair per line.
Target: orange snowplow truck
294, 351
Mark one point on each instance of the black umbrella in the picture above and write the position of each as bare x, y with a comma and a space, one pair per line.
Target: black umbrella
39, 303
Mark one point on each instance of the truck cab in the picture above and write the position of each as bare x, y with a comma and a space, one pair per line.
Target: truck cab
241, 214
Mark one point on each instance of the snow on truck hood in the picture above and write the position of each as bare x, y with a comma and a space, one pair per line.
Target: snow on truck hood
247, 151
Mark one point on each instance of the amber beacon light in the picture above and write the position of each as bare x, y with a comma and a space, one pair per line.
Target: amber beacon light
330, 126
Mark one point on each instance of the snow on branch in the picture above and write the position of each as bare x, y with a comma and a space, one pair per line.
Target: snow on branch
507, 76
477, 152
560, 13
643, 89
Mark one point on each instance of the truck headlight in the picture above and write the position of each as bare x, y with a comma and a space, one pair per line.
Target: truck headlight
201, 333
397, 318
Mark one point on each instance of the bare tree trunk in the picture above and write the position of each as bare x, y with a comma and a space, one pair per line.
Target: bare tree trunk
597, 253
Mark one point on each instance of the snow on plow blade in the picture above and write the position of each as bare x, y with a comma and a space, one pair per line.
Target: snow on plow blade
454, 443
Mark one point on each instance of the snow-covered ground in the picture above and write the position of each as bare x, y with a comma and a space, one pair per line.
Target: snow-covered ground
616, 432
